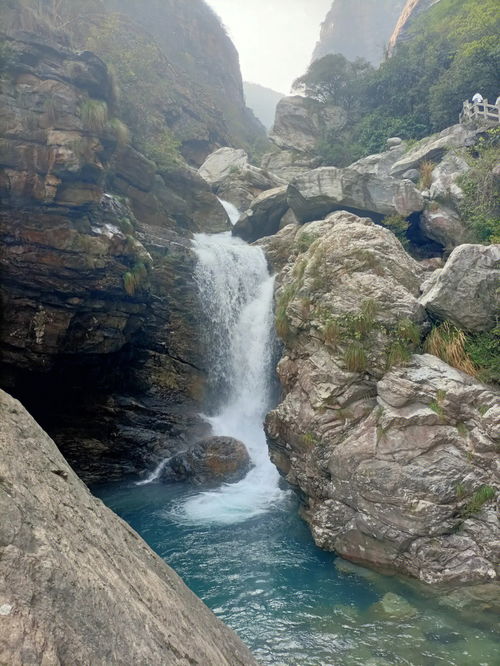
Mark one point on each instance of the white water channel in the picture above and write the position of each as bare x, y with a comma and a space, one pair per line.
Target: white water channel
236, 292
232, 212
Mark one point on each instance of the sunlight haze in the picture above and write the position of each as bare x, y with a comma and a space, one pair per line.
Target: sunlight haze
275, 38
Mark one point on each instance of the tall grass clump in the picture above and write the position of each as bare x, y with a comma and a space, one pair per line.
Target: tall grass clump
426, 168
355, 357
120, 130
448, 343
134, 279
94, 115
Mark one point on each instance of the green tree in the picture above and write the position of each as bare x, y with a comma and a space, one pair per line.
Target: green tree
333, 79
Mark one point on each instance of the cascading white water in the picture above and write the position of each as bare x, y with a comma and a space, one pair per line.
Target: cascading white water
231, 210
236, 291
155, 474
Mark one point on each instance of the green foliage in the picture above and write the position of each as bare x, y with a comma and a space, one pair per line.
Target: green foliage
453, 51
94, 115
437, 407
481, 204
482, 495
332, 332
484, 351
283, 328
399, 226
332, 79
163, 149
398, 354
461, 491
477, 354
305, 241
120, 131
134, 279
309, 439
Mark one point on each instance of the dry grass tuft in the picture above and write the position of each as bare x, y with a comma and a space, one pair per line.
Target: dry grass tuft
448, 343
426, 169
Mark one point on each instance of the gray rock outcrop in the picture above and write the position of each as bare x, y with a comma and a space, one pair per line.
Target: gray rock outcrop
467, 290
264, 216
288, 164
434, 148
234, 179
78, 585
394, 453
321, 191
300, 122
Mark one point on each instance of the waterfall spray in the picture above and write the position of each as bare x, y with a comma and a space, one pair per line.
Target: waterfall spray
236, 293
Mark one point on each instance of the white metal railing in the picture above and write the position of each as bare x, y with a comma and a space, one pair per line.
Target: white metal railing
480, 111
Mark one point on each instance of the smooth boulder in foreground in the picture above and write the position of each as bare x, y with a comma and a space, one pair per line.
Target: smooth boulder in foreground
77, 584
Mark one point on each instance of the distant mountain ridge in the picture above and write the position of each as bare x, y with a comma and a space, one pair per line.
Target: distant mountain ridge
358, 29
263, 102
410, 11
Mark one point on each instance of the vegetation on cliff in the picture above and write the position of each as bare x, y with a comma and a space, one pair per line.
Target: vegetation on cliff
177, 70
452, 51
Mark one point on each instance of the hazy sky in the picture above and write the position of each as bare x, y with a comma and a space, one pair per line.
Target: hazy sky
275, 38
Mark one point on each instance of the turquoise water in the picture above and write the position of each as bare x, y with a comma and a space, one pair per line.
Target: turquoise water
293, 604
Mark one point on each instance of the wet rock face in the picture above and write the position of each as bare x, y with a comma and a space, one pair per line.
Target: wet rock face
264, 216
211, 461
97, 291
393, 453
60, 547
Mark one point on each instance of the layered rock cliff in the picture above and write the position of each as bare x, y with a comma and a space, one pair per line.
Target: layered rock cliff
177, 69
78, 585
358, 29
97, 289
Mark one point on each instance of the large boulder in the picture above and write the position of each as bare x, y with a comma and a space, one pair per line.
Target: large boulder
301, 121
443, 225
466, 290
393, 453
412, 486
288, 164
222, 163
321, 191
234, 179
78, 585
264, 216
214, 460
434, 148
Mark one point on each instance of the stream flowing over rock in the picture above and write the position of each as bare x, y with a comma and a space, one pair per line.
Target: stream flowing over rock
389, 456
78, 585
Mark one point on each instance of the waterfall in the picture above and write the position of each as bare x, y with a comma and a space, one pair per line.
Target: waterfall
231, 210
155, 474
236, 293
